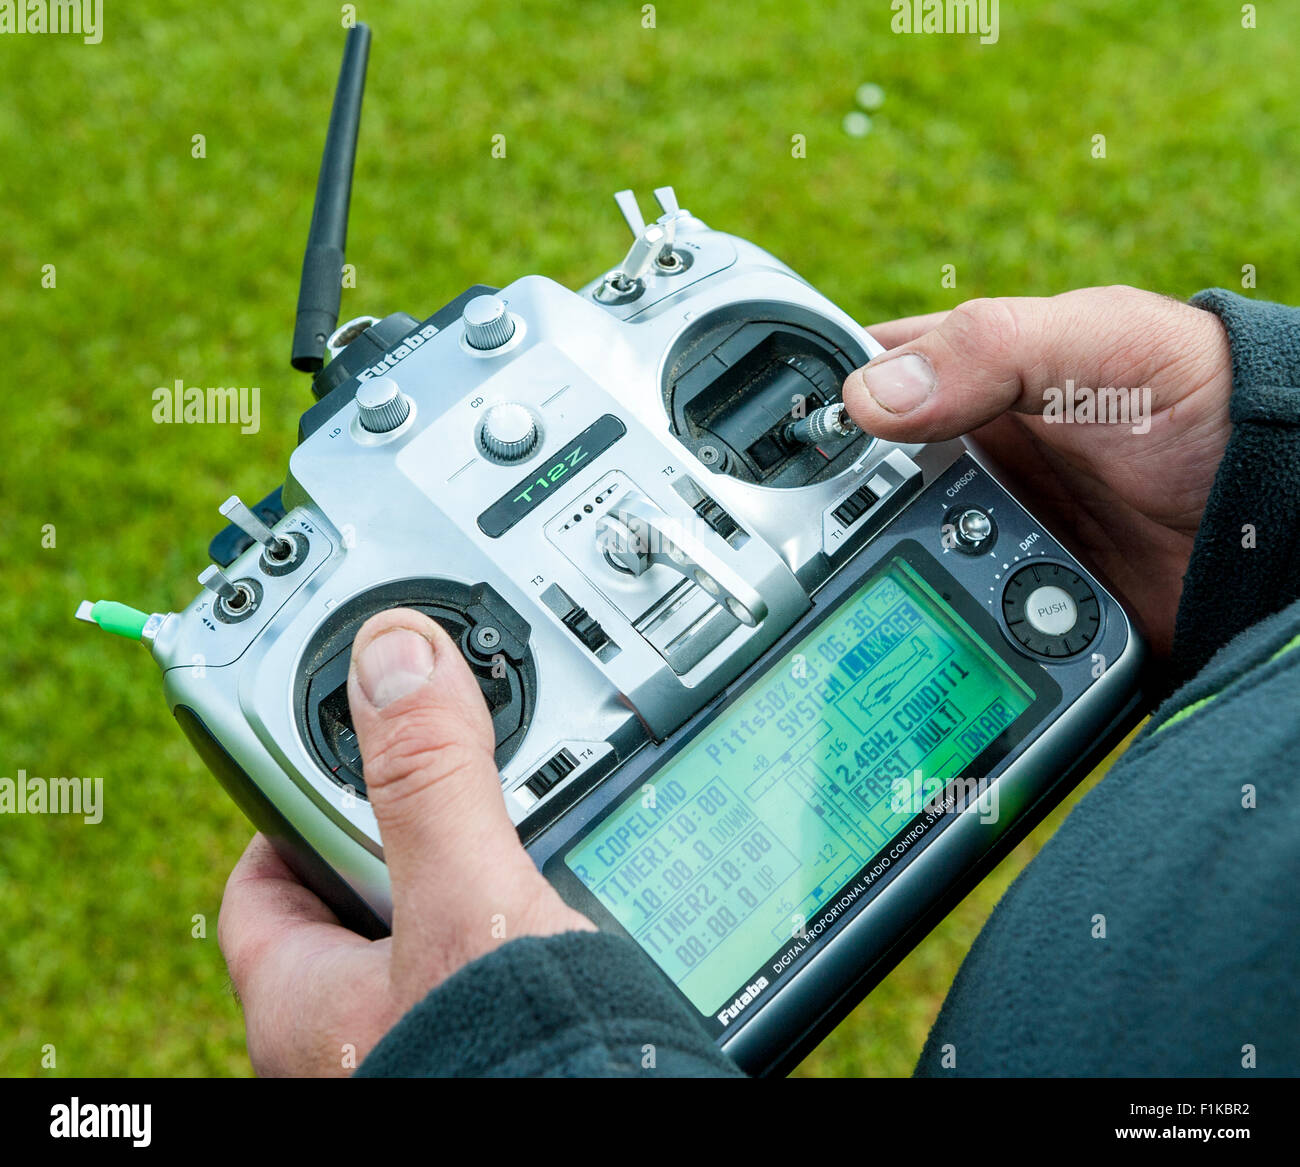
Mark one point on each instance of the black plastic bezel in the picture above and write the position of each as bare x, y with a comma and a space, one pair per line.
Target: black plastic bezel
1041, 644
1047, 695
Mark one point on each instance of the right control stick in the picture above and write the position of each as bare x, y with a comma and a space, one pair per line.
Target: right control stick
831, 421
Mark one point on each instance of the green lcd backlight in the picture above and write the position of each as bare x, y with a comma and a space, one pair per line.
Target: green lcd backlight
799, 784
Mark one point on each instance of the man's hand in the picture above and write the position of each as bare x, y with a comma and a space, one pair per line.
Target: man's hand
311, 989
1130, 501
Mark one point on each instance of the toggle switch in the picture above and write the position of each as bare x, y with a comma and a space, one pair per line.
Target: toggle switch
652, 245
122, 620
280, 553
627, 204
234, 511
217, 582
232, 602
667, 259
625, 280
666, 197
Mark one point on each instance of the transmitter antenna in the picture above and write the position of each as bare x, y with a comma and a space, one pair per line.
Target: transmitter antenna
322, 267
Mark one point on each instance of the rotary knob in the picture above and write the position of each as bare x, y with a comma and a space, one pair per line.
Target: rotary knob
487, 323
381, 405
509, 432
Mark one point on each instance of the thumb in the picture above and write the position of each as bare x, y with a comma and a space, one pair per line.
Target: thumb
986, 357
427, 747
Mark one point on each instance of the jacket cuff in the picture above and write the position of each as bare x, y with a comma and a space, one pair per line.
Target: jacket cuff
580, 1004
1245, 562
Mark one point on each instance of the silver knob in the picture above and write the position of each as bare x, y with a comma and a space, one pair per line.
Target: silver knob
974, 526
487, 323
830, 421
381, 405
509, 432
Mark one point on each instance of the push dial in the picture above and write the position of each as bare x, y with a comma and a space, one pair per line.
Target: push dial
487, 323
381, 405
509, 432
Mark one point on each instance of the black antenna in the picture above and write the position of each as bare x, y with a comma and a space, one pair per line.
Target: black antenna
322, 267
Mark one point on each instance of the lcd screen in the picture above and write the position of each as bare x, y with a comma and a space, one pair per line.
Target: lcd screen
800, 783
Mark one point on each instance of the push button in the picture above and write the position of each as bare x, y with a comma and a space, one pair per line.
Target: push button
1051, 610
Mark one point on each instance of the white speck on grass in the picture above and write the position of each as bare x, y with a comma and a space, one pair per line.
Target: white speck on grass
857, 124
870, 95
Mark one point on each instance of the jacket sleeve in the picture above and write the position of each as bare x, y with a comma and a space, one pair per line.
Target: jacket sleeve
577, 1005
1246, 561
1153, 935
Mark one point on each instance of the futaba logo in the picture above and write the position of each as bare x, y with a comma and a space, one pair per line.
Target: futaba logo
730, 1012
399, 354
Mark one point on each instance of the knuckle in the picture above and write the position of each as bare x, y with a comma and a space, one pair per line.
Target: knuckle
229, 949
451, 775
987, 325
1128, 292
1136, 323
240, 958
228, 939
418, 751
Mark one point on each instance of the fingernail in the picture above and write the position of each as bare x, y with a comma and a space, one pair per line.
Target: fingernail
900, 383
394, 664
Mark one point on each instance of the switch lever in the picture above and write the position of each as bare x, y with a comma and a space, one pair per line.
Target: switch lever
233, 601
636, 263
217, 582
631, 210
667, 201
666, 197
234, 511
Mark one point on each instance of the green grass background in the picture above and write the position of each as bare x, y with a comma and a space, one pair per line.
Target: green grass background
169, 266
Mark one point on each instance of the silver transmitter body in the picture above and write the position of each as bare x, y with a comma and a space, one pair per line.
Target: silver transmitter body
604, 496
